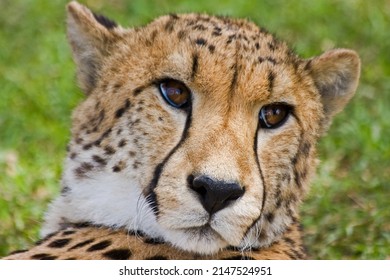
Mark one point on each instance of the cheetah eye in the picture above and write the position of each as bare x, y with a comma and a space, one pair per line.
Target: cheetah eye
175, 93
274, 115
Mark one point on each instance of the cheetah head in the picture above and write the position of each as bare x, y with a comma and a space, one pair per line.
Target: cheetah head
198, 130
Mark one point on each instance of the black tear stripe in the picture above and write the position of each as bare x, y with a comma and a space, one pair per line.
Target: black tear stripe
262, 179
150, 194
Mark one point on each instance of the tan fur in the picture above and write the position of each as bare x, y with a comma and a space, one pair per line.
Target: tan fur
127, 139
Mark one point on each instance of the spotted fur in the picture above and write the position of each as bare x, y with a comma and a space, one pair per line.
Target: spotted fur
133, 159
86, 242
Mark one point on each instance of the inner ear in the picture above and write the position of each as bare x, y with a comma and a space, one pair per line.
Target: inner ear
335, 74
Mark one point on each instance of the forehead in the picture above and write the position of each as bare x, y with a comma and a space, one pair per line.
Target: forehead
220, 53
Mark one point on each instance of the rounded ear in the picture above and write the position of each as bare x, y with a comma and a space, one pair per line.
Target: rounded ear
336, 76
90, 37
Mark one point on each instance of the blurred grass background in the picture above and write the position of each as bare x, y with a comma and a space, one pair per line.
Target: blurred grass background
347, 213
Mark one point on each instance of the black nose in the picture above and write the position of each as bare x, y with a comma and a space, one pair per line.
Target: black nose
214, 195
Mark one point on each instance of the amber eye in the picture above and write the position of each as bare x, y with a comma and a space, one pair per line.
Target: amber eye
274, 115
175, 93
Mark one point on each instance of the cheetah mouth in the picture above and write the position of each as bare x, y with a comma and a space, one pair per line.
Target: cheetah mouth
208, 233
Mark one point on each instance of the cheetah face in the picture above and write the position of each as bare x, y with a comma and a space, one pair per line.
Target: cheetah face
198, 130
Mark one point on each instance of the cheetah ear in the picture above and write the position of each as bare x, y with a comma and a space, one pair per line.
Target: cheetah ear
336, 75
90, 37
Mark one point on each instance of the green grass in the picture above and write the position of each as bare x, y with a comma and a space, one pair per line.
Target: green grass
347, 213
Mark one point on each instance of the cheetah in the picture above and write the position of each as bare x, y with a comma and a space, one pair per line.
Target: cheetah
196, 140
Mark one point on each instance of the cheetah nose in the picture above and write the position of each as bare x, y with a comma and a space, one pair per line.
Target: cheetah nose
213, 194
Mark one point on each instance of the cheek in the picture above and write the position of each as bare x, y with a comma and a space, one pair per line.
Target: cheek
156, 132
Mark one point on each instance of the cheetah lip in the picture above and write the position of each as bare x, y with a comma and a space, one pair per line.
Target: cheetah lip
210, 232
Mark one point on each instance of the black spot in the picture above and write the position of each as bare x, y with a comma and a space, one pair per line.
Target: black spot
217, 31
268, 58
138, 90
271, 79
82, 169
271, 46
200, 41
118, 254
81, 244
108, 150
194, 65
231, 38
116, 87
122, 143
59, 243
270, 217
153, 241
271, 60
289, 241
158, 257
257, 46
136, 164
39, 242
99, 160
211, 48
68, 232
99, 246
308, 65
106, 133
135, 233
106, 22
181, 34
81, 225
173, 16
170, 25
65, 190
72, 155
87, 146
17, 252
43, 257
119, 113
132, 154
116, 168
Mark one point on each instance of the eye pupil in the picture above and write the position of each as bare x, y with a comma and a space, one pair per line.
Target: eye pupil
274, 115
175, 93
